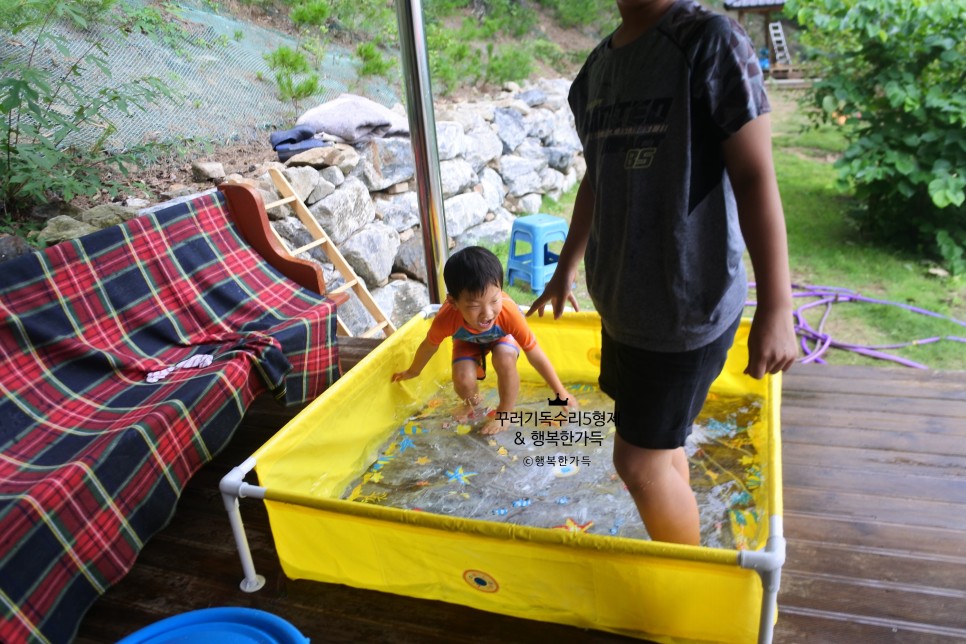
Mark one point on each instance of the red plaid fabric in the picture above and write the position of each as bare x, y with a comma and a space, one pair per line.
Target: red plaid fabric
93, 456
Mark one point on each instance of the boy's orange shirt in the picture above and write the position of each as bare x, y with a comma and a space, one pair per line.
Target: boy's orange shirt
510, 321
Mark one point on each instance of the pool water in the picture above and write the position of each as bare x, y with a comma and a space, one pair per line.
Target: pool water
553, 469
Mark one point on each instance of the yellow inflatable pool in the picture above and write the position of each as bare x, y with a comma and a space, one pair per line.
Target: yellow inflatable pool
661, 592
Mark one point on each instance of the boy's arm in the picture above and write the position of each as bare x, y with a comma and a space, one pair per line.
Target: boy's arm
424, 352
771, 344
541, 363
558, 290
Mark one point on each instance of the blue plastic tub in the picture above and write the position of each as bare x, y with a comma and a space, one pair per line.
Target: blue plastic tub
216, 625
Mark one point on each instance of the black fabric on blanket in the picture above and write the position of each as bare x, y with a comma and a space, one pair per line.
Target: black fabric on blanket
296, 134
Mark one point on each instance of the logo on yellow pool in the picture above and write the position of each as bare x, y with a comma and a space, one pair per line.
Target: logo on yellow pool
481, 581
593, 356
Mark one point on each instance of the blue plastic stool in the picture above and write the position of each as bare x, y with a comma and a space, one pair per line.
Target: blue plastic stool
217, 626
537, 264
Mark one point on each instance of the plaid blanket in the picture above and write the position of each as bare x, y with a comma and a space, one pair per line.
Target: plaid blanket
93, 453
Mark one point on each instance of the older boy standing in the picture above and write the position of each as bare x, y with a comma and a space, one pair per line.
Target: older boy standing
673, 116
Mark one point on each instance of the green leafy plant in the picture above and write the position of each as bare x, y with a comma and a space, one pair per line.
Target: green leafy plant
44, 104
599, 15
507, 63
373, 62
452, 60
892, 76
295, 75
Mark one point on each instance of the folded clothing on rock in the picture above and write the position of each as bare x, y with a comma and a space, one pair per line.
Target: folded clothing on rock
288, 150
354, 119
296, 134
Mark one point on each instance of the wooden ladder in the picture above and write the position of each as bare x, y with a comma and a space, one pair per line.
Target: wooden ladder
321, 240
782, 57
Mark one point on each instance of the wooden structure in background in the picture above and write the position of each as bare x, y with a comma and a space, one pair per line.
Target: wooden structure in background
765, 8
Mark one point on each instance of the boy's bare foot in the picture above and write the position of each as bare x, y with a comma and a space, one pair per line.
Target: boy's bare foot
469, 410
493, 425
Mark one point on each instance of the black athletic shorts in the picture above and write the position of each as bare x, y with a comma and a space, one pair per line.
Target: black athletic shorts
657, 396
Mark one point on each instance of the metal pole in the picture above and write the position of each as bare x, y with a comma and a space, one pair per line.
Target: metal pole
422, 130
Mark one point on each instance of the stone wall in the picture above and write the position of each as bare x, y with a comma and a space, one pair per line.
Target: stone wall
499, 155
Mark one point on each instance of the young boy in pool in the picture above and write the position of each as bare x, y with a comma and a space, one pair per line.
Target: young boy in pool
482, 319
672, 113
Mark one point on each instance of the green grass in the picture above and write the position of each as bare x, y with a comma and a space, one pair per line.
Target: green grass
827, 249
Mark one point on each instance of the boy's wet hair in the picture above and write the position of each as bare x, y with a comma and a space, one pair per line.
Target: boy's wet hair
472, 270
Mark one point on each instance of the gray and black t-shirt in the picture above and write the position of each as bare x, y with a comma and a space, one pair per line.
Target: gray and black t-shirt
663, 260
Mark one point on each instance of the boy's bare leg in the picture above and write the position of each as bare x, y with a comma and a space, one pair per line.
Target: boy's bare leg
680, 461
663, 496
504, 359
465, 384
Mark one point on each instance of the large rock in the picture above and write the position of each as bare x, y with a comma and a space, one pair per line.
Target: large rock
411, 257
295, 235
385, 162
399, 211
529, 204
450, 139
404, 298
322, 189
489, 233
303, 180
202, 171
494, 191
107, 214
533, 96
463, 211
333, 174
510, 127
539, 123
482, 146
521, 175
370, 252
340, 156
62, 228
559, 158
345, 211
532, 149
456, 176
12, 246
564, 132
469, 116
551, 183
353, 312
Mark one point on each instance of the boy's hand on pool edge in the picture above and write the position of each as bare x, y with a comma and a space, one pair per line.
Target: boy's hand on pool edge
404, 375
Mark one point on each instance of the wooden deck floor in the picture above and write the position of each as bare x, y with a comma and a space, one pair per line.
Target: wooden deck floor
875, 515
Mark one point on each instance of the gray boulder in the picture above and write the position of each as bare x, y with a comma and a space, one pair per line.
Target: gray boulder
345, 211
62, 228
371, 251
463, 211
456, 176
385, 162
510, 127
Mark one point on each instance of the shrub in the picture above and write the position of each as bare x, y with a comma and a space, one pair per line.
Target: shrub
373, 62
295, 75
892, 75
43, 103
509, 63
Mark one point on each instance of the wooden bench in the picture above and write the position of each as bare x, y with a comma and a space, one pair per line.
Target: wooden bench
129, 358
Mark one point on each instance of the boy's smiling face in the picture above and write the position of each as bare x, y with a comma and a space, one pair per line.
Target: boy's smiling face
479, 310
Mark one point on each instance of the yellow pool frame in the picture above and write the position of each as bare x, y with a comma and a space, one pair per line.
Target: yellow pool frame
652, 590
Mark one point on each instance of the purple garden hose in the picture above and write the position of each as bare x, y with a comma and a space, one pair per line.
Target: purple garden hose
815, 342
